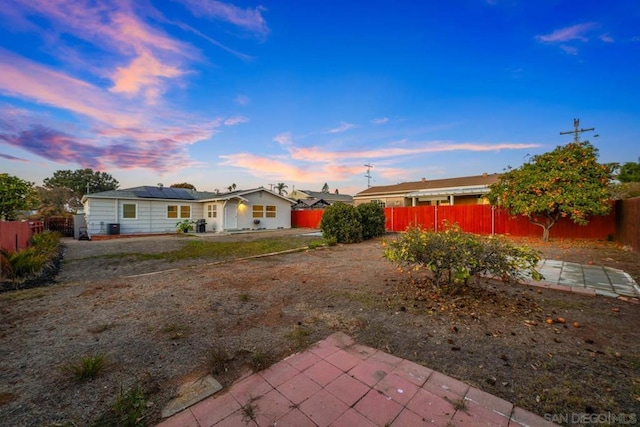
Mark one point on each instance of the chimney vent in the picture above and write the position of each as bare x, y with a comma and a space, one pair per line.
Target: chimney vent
160, 186
484, 175
424, 179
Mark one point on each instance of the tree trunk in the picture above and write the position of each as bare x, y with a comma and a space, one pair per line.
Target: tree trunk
546, 226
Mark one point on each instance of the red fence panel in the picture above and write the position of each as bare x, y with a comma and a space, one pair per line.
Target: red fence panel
478, 219
599, 227
475, 219
306, 218
399, 218
14, 235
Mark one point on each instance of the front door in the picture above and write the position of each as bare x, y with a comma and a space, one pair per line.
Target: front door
231, 215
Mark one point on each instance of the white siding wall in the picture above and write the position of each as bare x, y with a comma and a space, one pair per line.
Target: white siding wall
151, 216
264, 198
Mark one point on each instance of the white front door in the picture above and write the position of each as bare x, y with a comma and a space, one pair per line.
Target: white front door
231, 215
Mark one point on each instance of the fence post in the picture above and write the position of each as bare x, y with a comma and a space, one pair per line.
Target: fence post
436, 218
493, 220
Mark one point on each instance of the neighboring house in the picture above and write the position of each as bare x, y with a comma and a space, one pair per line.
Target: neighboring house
158, 209
306, 204
311, 197
468, 190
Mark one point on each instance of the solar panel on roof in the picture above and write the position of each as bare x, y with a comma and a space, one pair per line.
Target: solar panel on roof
165, 193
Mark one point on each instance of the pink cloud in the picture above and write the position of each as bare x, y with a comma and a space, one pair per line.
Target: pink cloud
249, 19
575, 32
160, 155
318, 154
269, 168
145, 73
569, 50
12, 158
25, 79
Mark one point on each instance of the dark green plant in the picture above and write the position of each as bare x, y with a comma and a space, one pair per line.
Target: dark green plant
18, 266
372, 219
87, 367
342, 222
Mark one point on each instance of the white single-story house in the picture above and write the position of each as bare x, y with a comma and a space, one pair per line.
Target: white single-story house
148, 209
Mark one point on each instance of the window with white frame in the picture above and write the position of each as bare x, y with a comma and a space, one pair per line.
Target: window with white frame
380, 203
258, 211
129, 211
212, 211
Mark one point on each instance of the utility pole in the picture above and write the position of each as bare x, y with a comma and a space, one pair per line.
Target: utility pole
576, 131
368, 175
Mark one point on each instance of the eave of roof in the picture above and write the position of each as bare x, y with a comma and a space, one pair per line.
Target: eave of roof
429, 185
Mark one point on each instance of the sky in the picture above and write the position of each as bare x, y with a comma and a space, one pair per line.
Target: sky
256, 93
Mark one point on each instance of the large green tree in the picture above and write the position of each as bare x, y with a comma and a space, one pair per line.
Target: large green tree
15, 195
183, 185
566, 182
629, 172
80, 182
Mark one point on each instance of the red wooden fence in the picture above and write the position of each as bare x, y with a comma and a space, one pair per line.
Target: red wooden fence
478, 219
15, 235
307, 218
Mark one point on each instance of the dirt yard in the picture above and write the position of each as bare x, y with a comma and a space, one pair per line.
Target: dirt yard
160, 324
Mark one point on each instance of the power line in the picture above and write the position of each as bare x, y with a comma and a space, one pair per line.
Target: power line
576, 131
368, 174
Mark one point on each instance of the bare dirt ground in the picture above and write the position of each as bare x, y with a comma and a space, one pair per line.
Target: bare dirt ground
159, 330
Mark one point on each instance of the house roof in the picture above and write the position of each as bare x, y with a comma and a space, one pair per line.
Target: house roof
182, 194
460, 185
328, 197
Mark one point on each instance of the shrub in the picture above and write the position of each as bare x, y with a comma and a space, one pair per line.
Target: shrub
372, 219
342, 222
453, 256
18, 266
38, 259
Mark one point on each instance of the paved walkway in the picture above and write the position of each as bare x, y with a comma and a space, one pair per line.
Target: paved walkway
339, 383
588, 279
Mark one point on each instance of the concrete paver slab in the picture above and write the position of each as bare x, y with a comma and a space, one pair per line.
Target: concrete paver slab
396, 392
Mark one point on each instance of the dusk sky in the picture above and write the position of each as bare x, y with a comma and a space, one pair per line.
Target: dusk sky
301, 92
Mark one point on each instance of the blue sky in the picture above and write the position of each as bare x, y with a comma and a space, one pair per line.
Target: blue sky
260, 92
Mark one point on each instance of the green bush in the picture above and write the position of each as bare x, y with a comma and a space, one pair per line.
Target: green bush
453, 256
372, 219
342, 222
185, 226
